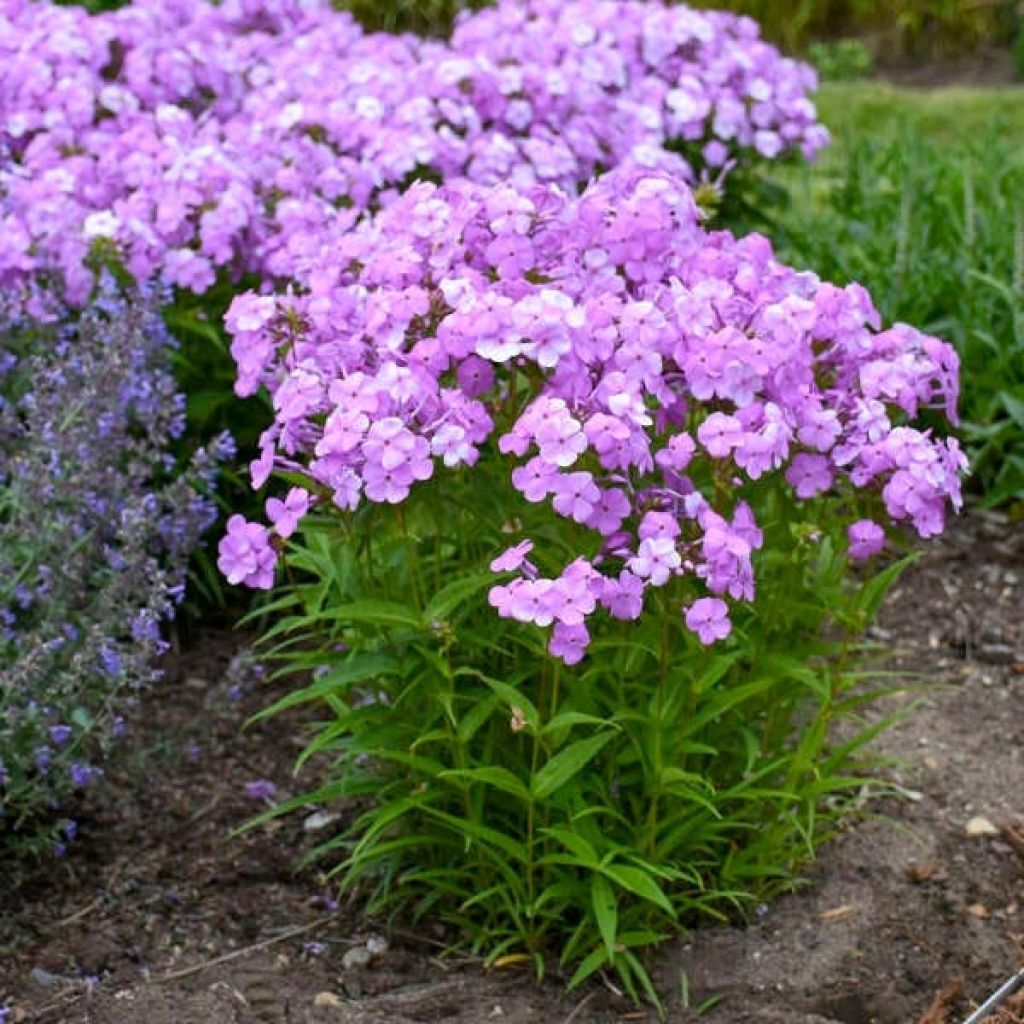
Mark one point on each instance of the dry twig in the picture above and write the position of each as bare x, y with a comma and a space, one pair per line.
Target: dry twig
235, 954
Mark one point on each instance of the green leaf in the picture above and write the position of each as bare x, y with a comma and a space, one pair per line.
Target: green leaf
589, 965
606, 911
82, 718
492, 775
456, 593
872, 594
576, 844
640, 883
1014, 407
512, 697
371, 613
567, 719
360, 668
566, 763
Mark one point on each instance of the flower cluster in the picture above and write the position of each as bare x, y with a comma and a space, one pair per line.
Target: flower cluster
188, 137
96, 528
667, 370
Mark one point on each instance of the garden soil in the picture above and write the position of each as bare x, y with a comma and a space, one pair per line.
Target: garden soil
912, 915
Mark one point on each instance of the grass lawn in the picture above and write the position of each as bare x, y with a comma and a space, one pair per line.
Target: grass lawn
949, 115
921, 199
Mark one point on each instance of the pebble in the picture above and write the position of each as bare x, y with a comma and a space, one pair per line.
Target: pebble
979, 826
360, 956
319, 820
45, 978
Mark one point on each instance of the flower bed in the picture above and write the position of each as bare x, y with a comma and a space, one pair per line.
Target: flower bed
572, 484
197, 137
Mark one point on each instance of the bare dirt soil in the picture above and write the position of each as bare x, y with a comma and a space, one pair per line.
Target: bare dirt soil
159, 915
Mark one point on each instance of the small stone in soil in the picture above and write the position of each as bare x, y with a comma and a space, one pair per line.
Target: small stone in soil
356, 958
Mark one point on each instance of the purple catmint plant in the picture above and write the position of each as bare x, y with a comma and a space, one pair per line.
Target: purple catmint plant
611, 359
96, 528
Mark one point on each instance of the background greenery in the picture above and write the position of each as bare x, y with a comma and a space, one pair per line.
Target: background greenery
921, 199
896, 26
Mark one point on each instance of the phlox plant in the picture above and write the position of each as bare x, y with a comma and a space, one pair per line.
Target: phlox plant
96, 527
572, 487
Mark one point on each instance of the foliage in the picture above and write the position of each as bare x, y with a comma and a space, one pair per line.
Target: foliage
905, 26
557, 813
1018, 51
901, 26
96, 527
428, 17
845, 60
929, 219
646, 412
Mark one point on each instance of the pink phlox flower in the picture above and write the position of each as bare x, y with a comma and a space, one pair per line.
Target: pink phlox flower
809, 475
245, 554
575, 495
389, 486
819, 428
572, 599
624, 598
720, 434
677, 454
569, 642
391, 445
355, 393
535, 480
299, 395
531, 601
609, 512
658, 523
261, 468
656, 560
744, 525
512, 558
285, 515
475, 376
451, 442
561, 440
344, 431
708, 617
866, 538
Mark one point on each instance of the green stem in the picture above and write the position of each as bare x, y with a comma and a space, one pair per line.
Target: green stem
656, 767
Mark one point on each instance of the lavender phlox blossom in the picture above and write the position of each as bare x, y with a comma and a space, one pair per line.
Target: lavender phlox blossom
512, 559
285, 515
569, 642
708, 617
246, 555
866, 538
219, 141
668, 367
656, 560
